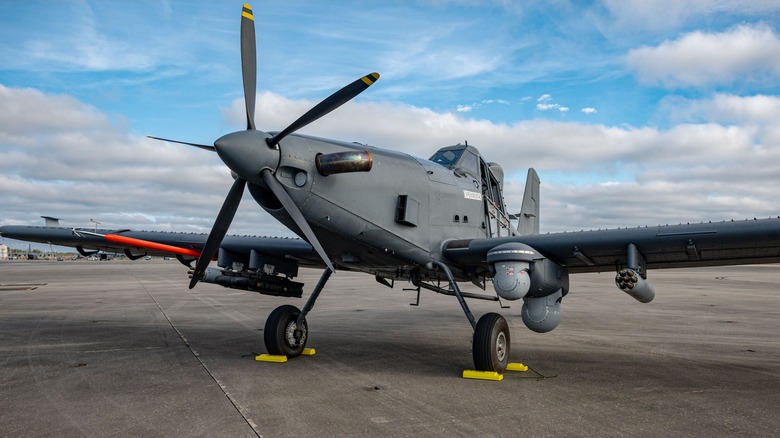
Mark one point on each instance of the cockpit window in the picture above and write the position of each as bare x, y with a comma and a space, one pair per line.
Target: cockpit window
470, 163
447, 157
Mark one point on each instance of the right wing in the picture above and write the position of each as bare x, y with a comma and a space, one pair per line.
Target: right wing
160, 243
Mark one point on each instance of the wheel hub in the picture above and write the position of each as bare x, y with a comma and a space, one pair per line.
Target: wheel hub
293, 336
501, 346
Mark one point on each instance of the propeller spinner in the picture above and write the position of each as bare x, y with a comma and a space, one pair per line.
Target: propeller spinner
254, 155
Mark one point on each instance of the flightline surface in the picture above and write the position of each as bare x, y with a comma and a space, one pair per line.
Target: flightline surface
125, 348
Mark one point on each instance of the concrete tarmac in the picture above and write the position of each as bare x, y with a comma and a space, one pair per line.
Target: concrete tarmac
123, 348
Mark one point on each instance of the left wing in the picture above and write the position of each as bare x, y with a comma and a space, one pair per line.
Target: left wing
536, 267
670, 246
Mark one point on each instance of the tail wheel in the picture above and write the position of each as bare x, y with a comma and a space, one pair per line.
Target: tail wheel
491, 343
282, 335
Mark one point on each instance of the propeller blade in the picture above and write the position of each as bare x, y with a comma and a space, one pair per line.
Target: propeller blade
202, 146
332, 102
295, 214
249, 63
218, 231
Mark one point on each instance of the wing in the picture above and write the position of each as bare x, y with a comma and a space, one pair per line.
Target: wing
676, 246
185, 245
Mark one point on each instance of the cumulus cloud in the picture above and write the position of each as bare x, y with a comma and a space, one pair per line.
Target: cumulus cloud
695, 170
760, 109
746, 52
662, 15
588, 110
545, 103
64, 158
723, 165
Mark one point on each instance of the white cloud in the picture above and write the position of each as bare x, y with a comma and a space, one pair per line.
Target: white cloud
759, 109
588, 110
702, 59
471, 107
663, 15
546, 104
593, 175
64, 158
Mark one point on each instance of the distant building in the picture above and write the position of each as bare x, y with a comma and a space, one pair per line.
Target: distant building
3, 252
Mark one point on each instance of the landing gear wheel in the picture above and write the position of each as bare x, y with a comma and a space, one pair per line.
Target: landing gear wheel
491, 343
282, 335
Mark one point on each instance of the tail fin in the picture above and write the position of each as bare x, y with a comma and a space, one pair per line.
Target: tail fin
51, 221
528, 222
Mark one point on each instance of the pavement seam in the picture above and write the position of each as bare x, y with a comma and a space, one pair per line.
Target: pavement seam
200, 361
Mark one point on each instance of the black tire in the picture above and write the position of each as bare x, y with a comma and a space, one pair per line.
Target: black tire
279, 334
491, 343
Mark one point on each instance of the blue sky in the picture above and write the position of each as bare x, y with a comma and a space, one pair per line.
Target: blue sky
669, 106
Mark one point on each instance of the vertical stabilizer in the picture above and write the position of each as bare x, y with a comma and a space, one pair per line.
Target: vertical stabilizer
528, 222
51, 221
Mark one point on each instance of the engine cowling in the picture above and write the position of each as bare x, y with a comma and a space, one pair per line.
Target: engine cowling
630, 282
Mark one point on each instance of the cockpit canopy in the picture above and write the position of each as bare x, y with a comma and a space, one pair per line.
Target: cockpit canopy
459, 157
465, 160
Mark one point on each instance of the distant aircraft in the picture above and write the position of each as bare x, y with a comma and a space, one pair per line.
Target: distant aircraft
434, 223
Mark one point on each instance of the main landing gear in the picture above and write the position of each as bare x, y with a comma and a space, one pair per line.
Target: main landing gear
490, 345
286, 330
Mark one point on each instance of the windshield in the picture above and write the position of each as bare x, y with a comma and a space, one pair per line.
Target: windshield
447, 157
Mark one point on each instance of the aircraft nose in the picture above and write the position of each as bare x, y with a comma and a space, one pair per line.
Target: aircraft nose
247, 154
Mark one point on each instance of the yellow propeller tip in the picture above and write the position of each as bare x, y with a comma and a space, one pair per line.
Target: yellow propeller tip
247, 12
370, 78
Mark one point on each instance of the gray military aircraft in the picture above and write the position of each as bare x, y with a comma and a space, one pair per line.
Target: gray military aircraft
435, 223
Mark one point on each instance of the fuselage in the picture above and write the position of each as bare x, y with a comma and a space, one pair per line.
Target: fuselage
362, 223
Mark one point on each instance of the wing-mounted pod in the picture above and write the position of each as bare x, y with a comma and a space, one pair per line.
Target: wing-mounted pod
519, 271
511, 265
255, 272
633, 278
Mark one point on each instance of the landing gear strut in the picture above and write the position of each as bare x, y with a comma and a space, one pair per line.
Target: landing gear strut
286, 331
490, 346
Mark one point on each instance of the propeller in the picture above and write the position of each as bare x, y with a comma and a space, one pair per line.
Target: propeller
218, 231
332, 102
233, 198
296, 215
202, 146
240, 151
248, 63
